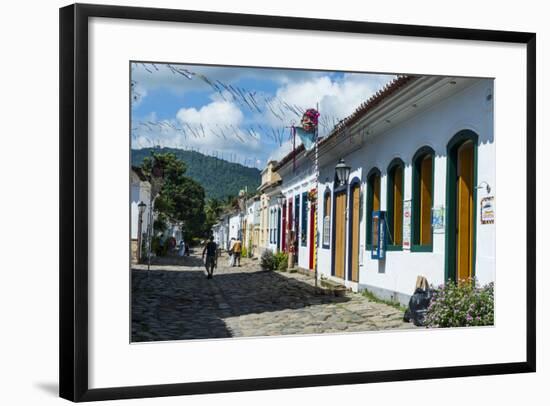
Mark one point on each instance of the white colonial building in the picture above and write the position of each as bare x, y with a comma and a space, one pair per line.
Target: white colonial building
297, 222
173, 229
235, 224
421, 154
270, 211
251, 225
220, 231
242, 224
140, 193
229, 226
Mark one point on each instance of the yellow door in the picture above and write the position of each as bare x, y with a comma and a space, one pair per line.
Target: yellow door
355, 234
376, 194
340, 235
398, 206
465, 210
426, 200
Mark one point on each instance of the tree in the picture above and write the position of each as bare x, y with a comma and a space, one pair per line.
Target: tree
214, 207
180, 198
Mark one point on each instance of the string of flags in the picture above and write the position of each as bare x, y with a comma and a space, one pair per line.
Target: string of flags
254, 101
144, 129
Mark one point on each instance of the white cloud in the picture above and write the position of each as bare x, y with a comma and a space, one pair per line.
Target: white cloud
217, 125
223, 126
159, 75
283, 150
213, 129
217, 112
337, 98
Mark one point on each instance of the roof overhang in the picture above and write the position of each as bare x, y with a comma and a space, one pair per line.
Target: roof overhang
419, 95
416, 96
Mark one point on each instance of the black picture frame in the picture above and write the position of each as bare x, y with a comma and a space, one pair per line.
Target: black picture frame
73, 280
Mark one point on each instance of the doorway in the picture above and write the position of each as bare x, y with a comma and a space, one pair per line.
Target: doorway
355, 194
284, 229
339, 245
461, 206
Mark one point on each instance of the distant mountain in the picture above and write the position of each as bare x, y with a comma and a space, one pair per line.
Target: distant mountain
219, 178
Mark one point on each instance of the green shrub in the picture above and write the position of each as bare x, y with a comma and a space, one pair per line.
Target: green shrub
281, 261
244, 253
165, 246
460, 305
373, 298
155, 246
267, 260
283, 266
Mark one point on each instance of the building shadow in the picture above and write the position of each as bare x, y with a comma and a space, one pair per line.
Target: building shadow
183, 304
176, 260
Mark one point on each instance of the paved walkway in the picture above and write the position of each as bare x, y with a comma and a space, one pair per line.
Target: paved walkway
177, 302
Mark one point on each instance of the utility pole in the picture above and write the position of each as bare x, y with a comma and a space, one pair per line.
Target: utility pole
316, 169
156, 179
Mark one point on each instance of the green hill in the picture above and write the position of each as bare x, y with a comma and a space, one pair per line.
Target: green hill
219, 178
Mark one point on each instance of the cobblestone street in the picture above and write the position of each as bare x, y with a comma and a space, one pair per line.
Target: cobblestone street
176, 302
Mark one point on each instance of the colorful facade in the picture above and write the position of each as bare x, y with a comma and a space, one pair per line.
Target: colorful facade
420, 195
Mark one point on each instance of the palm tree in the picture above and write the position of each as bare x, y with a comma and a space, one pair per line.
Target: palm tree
213, 209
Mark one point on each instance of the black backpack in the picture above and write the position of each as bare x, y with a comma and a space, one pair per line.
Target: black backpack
418, 305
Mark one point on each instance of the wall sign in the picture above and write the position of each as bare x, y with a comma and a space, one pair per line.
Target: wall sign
488, 210
407, 212
326, 230
378, 235
438, 220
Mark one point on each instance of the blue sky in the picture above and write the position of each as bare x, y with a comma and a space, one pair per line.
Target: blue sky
238, 114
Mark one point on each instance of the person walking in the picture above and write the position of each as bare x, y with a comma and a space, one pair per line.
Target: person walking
237, 248
181, 248
230, 252
210, 250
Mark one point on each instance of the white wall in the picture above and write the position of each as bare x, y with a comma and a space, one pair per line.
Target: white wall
256, 215
295, 183
273, 228
433, 127
139, 192
221, 233
173, 230
234, 226
30, 355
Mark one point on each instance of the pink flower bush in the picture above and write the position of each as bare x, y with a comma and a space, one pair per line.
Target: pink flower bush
461, 305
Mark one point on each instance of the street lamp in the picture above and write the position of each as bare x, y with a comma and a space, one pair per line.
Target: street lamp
141, 208
281, 199
342, 172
